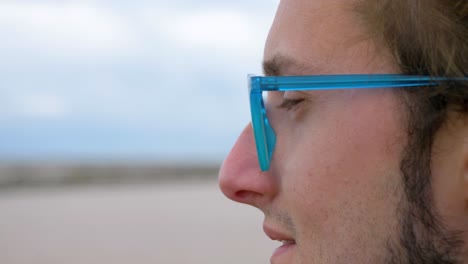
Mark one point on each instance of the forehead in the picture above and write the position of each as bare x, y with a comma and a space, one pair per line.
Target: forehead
314, 34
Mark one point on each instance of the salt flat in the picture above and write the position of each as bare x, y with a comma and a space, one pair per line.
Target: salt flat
183, 222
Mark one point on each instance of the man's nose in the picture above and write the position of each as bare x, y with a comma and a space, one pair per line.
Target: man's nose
240, 177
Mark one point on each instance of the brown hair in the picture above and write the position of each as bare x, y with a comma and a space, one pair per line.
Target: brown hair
425, 37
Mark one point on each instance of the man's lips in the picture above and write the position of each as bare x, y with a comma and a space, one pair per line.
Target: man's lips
277, 234
288, 242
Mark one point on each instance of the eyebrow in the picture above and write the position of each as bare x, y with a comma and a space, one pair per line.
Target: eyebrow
284, 65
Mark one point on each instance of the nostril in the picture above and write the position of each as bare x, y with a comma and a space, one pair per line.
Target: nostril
242, 194
246, 196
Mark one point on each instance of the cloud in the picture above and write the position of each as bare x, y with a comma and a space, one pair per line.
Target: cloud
200, 53
39, 106
213, 28
160, 70
222, 31
65, 28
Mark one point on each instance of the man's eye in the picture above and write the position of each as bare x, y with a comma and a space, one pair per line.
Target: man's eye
289, 104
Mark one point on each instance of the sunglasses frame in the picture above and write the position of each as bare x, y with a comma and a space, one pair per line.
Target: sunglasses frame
265, 137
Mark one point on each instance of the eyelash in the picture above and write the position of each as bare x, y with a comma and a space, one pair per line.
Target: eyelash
289, 104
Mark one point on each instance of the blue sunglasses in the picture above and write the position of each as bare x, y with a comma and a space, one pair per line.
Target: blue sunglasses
265, 137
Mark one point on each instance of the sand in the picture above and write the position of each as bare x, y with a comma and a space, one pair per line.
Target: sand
184, 222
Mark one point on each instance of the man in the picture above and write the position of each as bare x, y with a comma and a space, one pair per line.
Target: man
363, 175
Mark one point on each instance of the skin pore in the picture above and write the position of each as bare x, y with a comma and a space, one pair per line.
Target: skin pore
337, 186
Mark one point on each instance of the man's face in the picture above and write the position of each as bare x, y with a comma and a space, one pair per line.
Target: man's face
334, 187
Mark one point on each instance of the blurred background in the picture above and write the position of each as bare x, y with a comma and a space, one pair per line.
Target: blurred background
114, 119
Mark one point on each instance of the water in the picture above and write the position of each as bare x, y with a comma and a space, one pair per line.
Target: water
188, 222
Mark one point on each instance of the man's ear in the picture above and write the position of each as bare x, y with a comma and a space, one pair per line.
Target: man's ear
450, 170
465, 185
465, 172
464, 178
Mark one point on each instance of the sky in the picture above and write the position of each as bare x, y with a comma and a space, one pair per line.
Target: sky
127, 80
